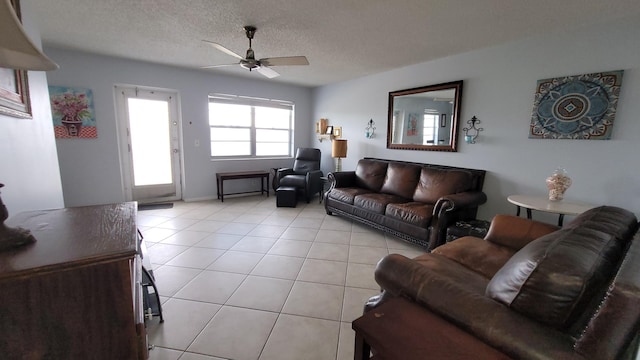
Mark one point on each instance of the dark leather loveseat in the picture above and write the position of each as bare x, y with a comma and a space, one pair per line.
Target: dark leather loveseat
413, 201
531, 290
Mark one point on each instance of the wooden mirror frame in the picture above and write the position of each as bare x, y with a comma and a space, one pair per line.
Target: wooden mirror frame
454, 117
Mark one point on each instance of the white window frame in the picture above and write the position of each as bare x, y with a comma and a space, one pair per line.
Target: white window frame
253, 102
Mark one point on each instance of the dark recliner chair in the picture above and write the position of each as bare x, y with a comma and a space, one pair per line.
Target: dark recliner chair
305, 174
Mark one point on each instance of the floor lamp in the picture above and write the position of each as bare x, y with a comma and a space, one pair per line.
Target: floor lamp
339, 150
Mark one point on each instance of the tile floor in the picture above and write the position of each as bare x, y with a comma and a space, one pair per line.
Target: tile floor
246, 280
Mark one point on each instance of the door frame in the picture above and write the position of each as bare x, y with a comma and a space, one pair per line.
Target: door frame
126, 176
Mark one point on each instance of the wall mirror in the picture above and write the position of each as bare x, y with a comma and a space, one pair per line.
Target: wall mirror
425, 118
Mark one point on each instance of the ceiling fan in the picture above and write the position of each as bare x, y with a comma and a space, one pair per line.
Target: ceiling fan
263, 66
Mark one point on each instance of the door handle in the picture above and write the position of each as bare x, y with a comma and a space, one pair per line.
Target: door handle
175, 151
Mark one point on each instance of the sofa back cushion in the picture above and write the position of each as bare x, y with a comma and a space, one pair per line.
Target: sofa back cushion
401, 180
553, 278
370, 174
436, 183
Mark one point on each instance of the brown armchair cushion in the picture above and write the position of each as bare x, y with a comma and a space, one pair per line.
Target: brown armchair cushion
548, 278
516, 232
476, 254
436, 183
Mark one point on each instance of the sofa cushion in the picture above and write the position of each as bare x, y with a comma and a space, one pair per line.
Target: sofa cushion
376, 202
347, 195
436, 183
414, 213
370, 174
476, 254
401, 180
552, 277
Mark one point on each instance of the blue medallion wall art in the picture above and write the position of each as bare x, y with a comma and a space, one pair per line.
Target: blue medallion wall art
576, 107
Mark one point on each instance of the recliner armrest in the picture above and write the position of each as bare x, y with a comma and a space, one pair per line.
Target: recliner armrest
284, 172
313, 180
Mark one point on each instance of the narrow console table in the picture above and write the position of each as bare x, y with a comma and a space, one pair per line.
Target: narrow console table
221, 177
542, 203
76, 292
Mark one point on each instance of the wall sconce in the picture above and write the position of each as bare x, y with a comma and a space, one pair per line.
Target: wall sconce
471, 133
339, 150
370, 130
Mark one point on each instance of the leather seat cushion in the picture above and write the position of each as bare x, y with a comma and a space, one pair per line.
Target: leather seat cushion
376, 202
414, 213
347, 195
298, 181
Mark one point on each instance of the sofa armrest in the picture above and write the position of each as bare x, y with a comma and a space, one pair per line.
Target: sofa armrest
516, 232
341, 179
448, 210
460, 200
494, 323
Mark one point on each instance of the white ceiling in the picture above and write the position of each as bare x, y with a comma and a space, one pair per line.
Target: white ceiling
343, 39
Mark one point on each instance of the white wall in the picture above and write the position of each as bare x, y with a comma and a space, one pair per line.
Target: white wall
28, 156
499, 85
90, 167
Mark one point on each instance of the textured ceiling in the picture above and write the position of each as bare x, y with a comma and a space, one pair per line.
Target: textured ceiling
343, 39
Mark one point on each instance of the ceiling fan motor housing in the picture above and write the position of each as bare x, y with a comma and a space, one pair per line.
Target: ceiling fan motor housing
250, 64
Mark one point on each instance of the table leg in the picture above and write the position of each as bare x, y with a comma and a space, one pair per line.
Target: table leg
218, 186
517, 210
222, 190
362, 349
560, 220
529, 214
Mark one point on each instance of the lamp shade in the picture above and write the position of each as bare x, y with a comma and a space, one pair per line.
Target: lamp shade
339, 148
17, 51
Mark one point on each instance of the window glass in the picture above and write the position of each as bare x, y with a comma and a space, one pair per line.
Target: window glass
247, 127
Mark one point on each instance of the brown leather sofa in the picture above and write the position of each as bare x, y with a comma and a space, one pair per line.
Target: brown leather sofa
531, 290
413, 201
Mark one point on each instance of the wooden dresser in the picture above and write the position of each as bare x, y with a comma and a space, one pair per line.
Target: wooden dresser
76, 292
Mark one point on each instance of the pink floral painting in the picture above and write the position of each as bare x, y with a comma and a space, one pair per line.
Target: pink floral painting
73, 113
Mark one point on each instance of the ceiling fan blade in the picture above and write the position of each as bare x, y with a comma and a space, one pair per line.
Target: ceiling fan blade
268, 72
285, 61
220, 65
223, 49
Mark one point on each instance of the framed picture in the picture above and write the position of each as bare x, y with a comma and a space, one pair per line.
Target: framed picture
337, 131
443, 120
73, 112
577, 107
329, 130
14, 88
